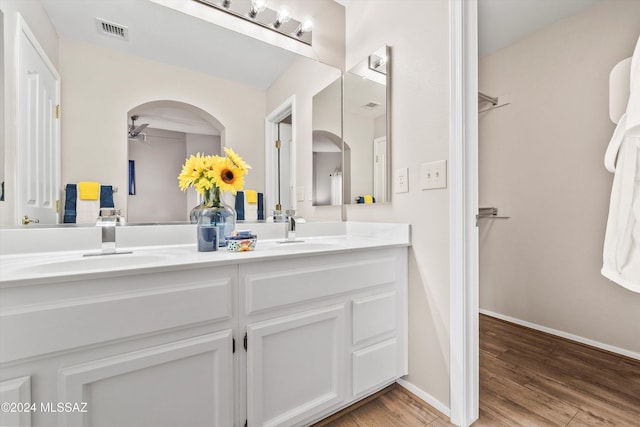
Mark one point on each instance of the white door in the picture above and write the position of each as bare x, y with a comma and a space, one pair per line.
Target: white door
295, 366
182, 383
380, 169
38, 136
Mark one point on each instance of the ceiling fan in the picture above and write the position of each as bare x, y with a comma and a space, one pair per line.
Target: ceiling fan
135, 132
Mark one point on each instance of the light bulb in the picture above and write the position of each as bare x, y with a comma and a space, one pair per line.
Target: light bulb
283, 16
305, 26
257, 6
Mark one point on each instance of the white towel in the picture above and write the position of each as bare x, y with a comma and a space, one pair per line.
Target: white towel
250, 210
621, 254
87, 211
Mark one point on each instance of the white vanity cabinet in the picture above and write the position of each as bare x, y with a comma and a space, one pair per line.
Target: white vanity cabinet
322, 332
131, 350
312, 333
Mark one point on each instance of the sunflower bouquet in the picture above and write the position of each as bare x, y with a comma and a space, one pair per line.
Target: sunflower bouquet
206, 173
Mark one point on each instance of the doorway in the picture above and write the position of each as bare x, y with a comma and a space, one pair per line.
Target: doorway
280, 159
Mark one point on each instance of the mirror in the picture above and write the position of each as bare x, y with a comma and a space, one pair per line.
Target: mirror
2, 107
327, 145
175, 57
367, 141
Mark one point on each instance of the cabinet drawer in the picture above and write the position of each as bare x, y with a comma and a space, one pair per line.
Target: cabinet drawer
31, 330
270, 286
374, 316
374, 366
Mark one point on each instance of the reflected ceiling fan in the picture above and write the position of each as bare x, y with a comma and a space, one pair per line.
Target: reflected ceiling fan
135, 132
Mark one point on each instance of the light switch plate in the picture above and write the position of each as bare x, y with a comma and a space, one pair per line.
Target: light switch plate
300, 194
401, 181
433, 175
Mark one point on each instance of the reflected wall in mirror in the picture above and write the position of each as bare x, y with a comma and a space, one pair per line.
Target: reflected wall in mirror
367, 88
161, 135
327, 145
232, 79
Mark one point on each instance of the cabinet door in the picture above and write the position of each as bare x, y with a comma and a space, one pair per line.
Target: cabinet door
184, 383
295, 366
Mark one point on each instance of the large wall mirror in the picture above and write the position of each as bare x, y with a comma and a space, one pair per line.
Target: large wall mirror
2, 156
351, 138
169, 55
367, 141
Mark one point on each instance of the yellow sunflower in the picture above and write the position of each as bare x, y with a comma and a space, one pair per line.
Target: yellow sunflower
227, 176
192, 171
237, 161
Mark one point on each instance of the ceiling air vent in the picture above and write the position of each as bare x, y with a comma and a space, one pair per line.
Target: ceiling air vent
112, 29
371, 105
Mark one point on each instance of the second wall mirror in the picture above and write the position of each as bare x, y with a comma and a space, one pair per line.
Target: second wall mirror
367, 142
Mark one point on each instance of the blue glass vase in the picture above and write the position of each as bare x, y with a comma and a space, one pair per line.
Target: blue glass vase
213, 211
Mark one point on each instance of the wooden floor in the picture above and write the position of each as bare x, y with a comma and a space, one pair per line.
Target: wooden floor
527, 378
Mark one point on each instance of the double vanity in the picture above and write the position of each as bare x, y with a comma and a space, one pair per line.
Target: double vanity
166, 336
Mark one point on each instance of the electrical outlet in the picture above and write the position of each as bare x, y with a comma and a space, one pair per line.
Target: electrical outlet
433, 175
402, 180
300, 194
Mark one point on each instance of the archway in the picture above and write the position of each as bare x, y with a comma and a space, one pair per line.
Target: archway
156, 152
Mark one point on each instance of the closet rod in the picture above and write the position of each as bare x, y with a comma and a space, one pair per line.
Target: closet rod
491, 99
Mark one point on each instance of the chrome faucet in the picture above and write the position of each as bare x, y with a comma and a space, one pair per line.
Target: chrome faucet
291, 228
291, 221
107, 221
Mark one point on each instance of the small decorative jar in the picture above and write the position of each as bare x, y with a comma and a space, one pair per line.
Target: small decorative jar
214, 212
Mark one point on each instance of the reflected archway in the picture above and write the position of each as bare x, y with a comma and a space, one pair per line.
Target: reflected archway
175, 130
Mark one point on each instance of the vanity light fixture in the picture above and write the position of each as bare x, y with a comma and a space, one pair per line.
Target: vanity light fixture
258, 12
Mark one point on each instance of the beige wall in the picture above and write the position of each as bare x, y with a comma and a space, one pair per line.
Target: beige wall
541, 159
418, 32
101, 85
36, 18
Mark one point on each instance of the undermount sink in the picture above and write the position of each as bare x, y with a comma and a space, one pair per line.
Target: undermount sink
95, 263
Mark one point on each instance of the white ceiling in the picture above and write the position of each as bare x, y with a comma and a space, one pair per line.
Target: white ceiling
503, 22
162, 34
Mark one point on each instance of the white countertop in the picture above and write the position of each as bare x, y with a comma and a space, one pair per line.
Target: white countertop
43, 267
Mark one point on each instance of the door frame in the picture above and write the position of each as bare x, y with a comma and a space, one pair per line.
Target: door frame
463, 205
288, 107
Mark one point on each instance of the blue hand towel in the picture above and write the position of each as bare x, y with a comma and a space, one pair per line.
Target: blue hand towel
240, 205
260, 207
71, 194
106, 196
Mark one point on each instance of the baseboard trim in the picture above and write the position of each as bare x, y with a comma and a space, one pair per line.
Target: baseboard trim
566, 335
423, 395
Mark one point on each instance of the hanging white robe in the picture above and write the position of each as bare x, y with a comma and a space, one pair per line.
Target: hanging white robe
621, 255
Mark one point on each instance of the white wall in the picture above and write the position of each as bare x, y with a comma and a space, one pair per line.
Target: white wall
358, 134
418, 32
541, 159
36, 18
101, 85
158, 198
